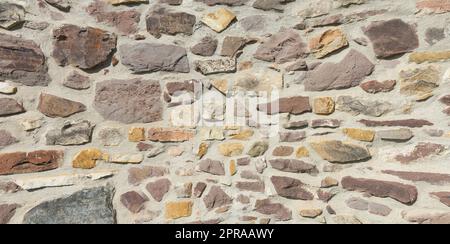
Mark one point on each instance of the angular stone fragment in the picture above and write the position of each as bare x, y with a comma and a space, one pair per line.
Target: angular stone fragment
219, 20
253, 186
345, 74
9, 187
359, 134
176, 210
302, 152
430, 57
71, 133
283, 151
159, 188
154, 57
206, 47
216, 66
310, 213
267, 5
253, 23
323, 105
290, 188
11, 15
212, 167
374, 86
22, 61
53, 106
77, 81
421, 151
431, 178
82, 47
294, 136
232, 44
325, 123
199, 189
357, 106
426, 216
63, 5
7, 211
293, 166
110, 136
137, 175
328, 182
284, 46
170, 135
23, 163
419, 82
124, 158
406, 194
328, 42
183, 190
293, 105
434, 6
412, 123
231, 149
444, 197
340, 152
392, 37
87, 158
133, 201
162, 21
433, 35
277, 210
216, 198
89, 206
129, 101
398, 135
9, 106
258, 149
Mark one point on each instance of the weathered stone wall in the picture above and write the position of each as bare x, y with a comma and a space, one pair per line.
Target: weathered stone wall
96, 128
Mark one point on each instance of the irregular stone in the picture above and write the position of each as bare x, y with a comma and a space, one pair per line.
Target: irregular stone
445, 100
212, 167
299, 65
293, 125
11, 15
216, 66
184, 190
133, 201
110, 136
7, 211
223, 2
170, 135
277, 210
136, 134
31, 123
431, 178
6, 139
374, 86
406, 194
175, 151
398, 135
293, 105
284, 46
357, 106
77, 81
253, 23
162, 21
412, 123
426, 216
199, 189
118, 2
23, 163
71, 133
243, 161
253, 186
359, 134
216, 198
232, 44
89, 206
421, 151
231, 149
123, 158
302, 152
310, 213
53, 106
176, 210
137, 175
36, 25
243, 135
290, 188
258, 80
267, 5
347, 3
258, 149
82, 47
323, 105
328, 42
340, 152
419, 82
325, 123
392, 37
328, 182
325, 196
434, 6
23, 61
293, 166
335, 76
219, 20
357, 203
433, 35
7, 89
63, 5
154, 57
87, 159
202, 150
206, 47
283, 151
379, 209
129, 101
172, 2
444, 197
9, 187
158, 189
430, 57
260, 165
295, 136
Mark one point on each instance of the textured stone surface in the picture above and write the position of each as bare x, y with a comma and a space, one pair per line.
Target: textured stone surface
11, 15
71, 133
328, 42
292, 105
216, 198
374, 86
37, 161
421, 151
212, 167
54, 106
159, 188
161, 21
205, 47
419, 82
398, 135
89, 206
133, 201
126, 22
359, 134
431, 178
340, 152
291, 188
293, 166
357, 106
277, 210
219, 20
7, 211
412, 123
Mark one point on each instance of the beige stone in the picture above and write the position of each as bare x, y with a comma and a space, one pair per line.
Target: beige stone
170, 134
231, 149
176, 210
220, 85
258, 80
87, 159
360, 134
310, 213
328, 42
243, 135
219, 20
202, 149
329, 182
233, 169
136, 134
124, 158
5, 88
323, 105
420, 82
302, 152
431, 57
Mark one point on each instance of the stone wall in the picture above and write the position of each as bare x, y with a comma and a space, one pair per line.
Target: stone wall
114, 111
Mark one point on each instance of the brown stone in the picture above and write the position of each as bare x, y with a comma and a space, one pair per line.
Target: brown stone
9, 106
199, 189
283, 151
206, 47
53, 106
412, 123
170, 135
431, 178
136, 134
133, 201
277, 210
406, 194
328, 42
77, 81
216, 198
443, 196
294, 136
137, 175
22, 61
374, 86
434, 6
158, 189
9, 187
392, 37
23, 163
293, 105
325, 123
421, 151
161, 21
232, 44
290, 188
253, 186
212, 167
293, 166
7, 211
82, 47
340, 152
325, 196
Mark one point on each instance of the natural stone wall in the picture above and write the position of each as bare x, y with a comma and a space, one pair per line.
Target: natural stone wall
117, 111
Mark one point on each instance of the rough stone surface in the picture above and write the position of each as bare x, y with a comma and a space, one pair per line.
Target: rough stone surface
7, 211
161, 21
374, 86
340, 152
356, 106
37, 161
293, 166
54, 106
212, 167
158, 189
133, 201
205, 47
71, 133
292, 105
216, 198
277, 210
328, 42
291, 188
